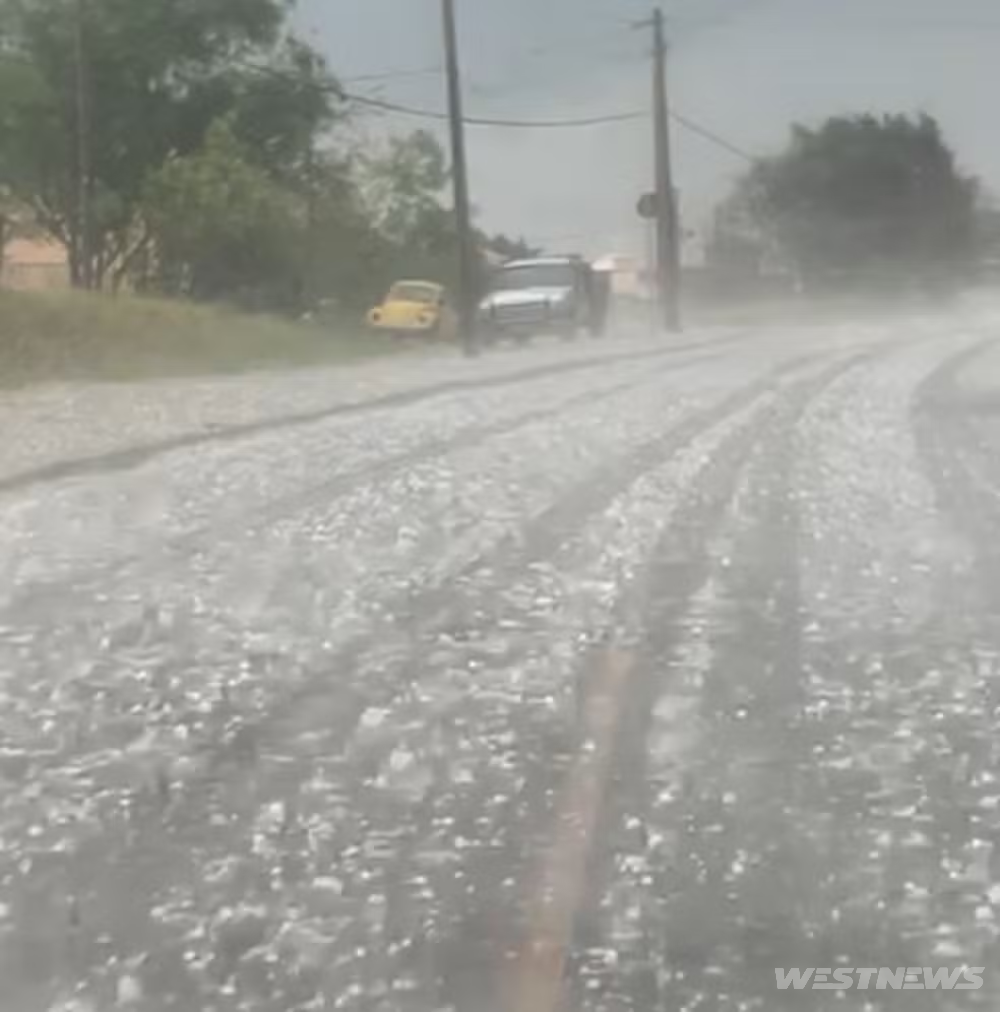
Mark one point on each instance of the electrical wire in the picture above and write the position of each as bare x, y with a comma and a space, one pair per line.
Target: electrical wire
399, 108
685, 121
485, 121
393, 75
712, 137
334, 88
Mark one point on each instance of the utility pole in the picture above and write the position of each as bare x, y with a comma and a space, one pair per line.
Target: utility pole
83, 232
308, 278
467, 273
667, 214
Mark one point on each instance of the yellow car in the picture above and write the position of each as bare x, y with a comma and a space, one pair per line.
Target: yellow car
415, 308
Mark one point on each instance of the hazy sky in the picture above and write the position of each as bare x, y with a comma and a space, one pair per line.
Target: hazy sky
744, 68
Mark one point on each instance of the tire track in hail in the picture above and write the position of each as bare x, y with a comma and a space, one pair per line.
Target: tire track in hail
755, 840
47, 596
446, 608
747, 853
136, 631
628, 911
472, 927
234, 734
964, 477
163, 847
944, 439
133, 457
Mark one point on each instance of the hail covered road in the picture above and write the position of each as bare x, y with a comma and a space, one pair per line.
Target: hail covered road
608, 676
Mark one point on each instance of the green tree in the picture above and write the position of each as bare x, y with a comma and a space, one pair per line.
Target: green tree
157, 74
509, 249
865, 200
346, 259
214, 169
223, 226
404, 188
404, 183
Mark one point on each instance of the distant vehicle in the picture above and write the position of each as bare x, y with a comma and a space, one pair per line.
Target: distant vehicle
415, 309
549, 295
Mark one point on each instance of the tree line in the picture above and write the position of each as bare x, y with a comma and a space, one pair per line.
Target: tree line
201, 149
859, 202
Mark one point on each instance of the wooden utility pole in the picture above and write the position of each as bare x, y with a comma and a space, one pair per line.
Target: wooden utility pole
467, 273
83, 233
667, 212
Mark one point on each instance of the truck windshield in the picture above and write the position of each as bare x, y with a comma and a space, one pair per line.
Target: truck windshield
535, 276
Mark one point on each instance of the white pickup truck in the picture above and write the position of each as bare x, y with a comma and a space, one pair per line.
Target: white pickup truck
563, 296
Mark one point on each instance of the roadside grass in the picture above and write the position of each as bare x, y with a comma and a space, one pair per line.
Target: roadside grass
72, 336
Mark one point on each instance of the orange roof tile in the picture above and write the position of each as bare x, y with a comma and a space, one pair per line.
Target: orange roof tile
35, 253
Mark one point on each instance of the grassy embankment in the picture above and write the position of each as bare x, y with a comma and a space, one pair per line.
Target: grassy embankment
68, 336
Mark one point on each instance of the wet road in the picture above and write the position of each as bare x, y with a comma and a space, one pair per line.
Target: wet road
595, 682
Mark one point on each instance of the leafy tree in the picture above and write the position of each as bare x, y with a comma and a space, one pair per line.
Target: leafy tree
404, 187
213, 168
403, 184
508, 248
157, 75
865, 200
224, 228
345, 257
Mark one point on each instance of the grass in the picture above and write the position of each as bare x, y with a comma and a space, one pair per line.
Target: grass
65, 336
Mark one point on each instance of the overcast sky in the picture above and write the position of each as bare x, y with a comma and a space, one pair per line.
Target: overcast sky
745, 69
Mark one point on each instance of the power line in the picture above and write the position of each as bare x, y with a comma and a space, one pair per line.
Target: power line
887, 24
712, 137
393, 75
511, 123
335, 89
684, 121
486, 121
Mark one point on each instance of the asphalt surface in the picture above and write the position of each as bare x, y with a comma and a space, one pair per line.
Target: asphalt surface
588, 679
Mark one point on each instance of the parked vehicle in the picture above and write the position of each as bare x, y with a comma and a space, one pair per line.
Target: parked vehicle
549, 295
415, 309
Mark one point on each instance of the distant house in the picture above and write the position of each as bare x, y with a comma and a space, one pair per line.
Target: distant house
628, 278
34, 265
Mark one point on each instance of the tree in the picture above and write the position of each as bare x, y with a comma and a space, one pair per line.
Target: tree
507, 248
205, 154
404, 183
156, 75
404, 187
865, 200
224, 228
346, 259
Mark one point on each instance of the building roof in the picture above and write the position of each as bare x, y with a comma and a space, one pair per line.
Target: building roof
616, 262
20, 252
550, 261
